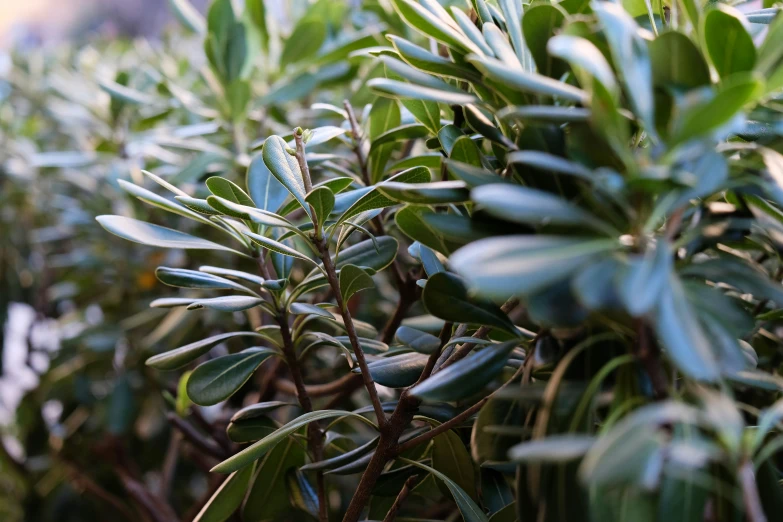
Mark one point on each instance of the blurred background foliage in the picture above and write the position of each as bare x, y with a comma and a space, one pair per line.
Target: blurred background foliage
117, 87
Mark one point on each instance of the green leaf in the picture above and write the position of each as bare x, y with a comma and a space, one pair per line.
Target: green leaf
352, 280
730, 47
151, 198
553, 449
531, 206
540, 22
450, 457
677, 62
304, 42
250, 430
309, 309
321, 200
228, 303
522, 265
466, 376
228, 190
344, 458
228, 497
302, 494
155, 235
183, 278
285, 168
584, 57
265, 189
434, 193
487, 442
411, 220
218, 379
470, 511
259, 409
197, 205
276, 246
416, 340
545, 114
193, 20
397, 89
527, 81
231, 273
679, 330
645, 277
706, 117
446, 296
425, 112
183, 355
262, 447
629, 52
398, 371
432, 26
426, 61
268, 498
374, 199
126, 94
408, 131
384, 115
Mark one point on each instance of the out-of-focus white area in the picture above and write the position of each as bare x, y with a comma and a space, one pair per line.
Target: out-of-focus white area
30, 341
33, 22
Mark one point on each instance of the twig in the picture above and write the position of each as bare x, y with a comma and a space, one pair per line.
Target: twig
170, 463
302, 159
456, 420
314, 433
321, 390
331, 275
481, 333
196, 438
441, 428
404, 492
648, 354
356, 133
93, 487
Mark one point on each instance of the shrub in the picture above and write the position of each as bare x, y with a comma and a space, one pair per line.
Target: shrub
547, 252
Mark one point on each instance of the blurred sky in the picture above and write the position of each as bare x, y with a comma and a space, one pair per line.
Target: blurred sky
46, 21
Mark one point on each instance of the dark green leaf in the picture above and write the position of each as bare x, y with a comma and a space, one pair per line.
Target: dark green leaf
218, 379
183, 355
467, 376
228, 497
446, 296
417, 340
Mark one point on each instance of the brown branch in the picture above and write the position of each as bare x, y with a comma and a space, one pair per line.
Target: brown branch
314, 433
404, 492
194, 437
331, 275
170, 463
347, 381
442, 428
302, 159
649, 355
93, 487
356, 134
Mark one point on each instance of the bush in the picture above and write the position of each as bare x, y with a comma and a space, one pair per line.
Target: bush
535, 278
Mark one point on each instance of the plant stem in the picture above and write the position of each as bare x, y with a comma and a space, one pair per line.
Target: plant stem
314, 433
345, 382
404, 492
302, 159
331, 275
356, 133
